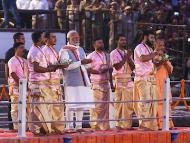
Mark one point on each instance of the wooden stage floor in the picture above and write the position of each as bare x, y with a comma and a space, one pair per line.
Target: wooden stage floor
180, 135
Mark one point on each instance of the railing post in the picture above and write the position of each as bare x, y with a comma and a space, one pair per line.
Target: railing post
111, 111
166, 105
22, 108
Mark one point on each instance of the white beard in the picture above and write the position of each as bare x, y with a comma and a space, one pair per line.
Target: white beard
76, 44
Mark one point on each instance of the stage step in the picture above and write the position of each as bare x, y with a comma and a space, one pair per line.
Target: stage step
4, 115
2, 72
180, 135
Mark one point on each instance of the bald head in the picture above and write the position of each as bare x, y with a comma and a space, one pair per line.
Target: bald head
70, 33
160, 44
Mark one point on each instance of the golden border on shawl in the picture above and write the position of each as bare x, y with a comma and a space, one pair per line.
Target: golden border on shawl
45, 82
13, 85
55, 81
122, 76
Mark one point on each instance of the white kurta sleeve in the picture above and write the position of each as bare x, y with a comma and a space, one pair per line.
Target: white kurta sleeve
88, 66
18, 4
65, 56
74, 65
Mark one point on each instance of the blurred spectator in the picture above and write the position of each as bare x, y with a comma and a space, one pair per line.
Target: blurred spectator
108, 18
60, 7
128, 25
86, 22
183, 20
10, 4
39, 21
187, 76
159, 16
26, 19
173, 41
115, 25
188, 68
97, 8
1, 7
73, 15
1, 17
23, 4
168, 5
174, 3
51, 4
122, 4
107, 2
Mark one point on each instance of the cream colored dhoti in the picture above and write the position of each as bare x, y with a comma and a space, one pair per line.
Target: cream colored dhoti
14, 110
146, 90
57, 109
101, 92
14, 96
123, 110
42, 92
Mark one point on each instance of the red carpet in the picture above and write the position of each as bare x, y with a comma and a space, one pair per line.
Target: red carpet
180, 135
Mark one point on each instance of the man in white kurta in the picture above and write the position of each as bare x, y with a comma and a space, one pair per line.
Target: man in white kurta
77, 85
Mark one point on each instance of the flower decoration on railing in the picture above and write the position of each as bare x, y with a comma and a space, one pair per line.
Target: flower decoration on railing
4, 94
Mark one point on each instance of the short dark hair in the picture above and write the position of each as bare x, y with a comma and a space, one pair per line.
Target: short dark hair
160, 37
96, 39
36, 36
147, 32
119, 36
138, 38
16, 45
47, 34
17, 36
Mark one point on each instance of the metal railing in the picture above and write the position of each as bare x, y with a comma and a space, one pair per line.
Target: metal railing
22, 109
22, 102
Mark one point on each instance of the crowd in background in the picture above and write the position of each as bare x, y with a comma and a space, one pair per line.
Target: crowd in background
108, 11
101, 13
95, 17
